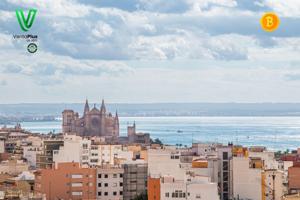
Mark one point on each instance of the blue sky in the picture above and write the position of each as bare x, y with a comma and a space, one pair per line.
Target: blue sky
151, 51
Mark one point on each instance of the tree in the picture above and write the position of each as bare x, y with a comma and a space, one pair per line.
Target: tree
156, 141
142, 196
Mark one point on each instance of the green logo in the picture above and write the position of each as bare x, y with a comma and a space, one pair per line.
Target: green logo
26, 23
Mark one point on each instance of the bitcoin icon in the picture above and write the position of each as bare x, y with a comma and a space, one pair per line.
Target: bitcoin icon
269, 22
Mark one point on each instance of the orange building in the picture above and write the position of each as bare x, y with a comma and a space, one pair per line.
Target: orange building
294, 179
153, 188
67, 181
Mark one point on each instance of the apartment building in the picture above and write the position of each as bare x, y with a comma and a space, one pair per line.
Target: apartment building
163, 162
44, 160
135, 179
247, 179
294, 179
193, 187
66, 181
110, 182
30, 154
78, 149
180, 173
13, 167
75, 149
225, 169
252, 181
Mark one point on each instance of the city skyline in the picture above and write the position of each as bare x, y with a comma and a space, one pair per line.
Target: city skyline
142, 52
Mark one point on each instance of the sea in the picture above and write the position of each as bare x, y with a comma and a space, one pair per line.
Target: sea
275, 133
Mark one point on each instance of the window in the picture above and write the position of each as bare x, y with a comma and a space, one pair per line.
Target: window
176, 194
225, 165
167, 194
115, 176
76, 184
77, 193
121, 193
99, 193
115, 193
121, 184
99, 184
99, 175
76, 176
105, 193
121, 175
225, 155
105, 184
105, 175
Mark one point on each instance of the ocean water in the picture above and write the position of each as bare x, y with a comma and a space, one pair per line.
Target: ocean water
276, 133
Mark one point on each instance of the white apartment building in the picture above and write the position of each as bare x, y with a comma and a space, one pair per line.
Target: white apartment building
109, 182
184, 180
208, 166
193, 187
247, 182
273, 183
252, 181
30, 152
268, 158
204, 148
108, 153
75, 149
162, 162
78, 149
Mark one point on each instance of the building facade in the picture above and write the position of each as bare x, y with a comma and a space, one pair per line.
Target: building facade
67, 181
135, 180
44, 160
94, 122
110, 182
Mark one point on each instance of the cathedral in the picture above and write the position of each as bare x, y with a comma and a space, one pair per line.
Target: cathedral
94, 122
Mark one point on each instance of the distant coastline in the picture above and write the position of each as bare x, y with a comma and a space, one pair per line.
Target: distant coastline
31, 112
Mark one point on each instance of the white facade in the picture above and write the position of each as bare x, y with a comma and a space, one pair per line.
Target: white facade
247, 182
77, 149
204, 148
273, 182
193, 187
30, 152
163, 162
211, 170
2, 146
109, 182
268, 158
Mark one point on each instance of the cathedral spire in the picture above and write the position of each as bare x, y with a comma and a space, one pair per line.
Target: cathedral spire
103, 109
116, 116
86, 107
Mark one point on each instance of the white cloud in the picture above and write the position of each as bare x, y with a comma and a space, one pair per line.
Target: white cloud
286, 8
102, 30
93, 43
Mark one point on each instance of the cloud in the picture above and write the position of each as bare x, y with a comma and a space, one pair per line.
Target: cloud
96, 43
3, 82
114, 30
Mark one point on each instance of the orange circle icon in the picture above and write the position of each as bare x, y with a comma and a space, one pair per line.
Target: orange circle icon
269, 22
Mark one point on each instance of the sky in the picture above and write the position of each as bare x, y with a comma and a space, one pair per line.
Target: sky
141, 51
